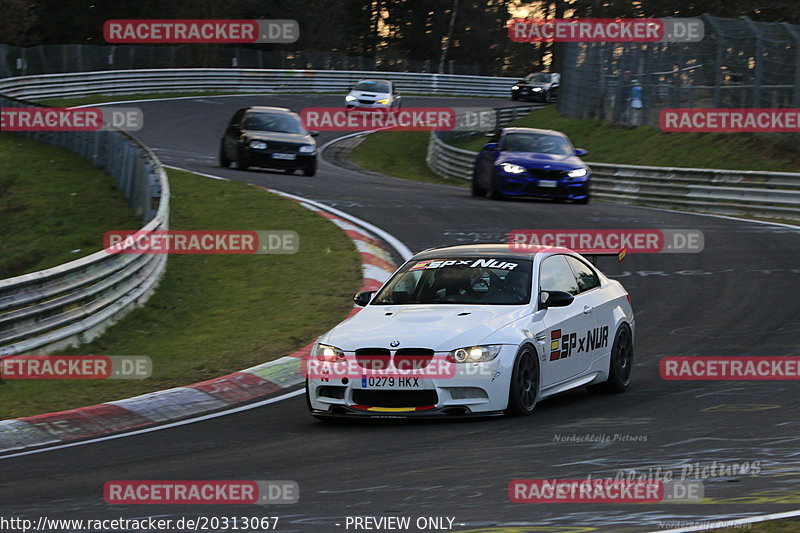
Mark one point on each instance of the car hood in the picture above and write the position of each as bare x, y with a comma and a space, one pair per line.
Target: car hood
535, 160
440, 327
278, 137
368, 94
532, 84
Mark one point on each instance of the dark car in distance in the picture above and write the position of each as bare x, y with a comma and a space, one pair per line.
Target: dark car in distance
270, 137
539, 86
531, 162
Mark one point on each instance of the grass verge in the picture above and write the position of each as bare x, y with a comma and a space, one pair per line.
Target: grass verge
215, 314
54, 206
646, 145
400, 154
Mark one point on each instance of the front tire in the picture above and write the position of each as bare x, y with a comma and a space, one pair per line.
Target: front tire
224, 162
241, 161
495, 193
477, 190
310, 171
583, 201
524, 389
621, 365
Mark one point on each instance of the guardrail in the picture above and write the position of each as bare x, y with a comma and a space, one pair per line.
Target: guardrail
243, 80
73, 303
724, 192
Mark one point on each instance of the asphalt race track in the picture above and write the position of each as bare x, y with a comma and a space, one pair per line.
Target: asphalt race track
740, 296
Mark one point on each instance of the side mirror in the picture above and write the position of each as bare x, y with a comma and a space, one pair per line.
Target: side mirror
362, 298
313, 133
491, 147
580, 152
549, 299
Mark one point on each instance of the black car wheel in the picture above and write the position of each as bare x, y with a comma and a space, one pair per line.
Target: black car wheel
310, 171
583, 201
621, 365
524, 389
514, 96
241, 161
477, 190
224, 162
495, 193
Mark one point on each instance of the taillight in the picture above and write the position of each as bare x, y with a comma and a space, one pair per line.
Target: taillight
627, 295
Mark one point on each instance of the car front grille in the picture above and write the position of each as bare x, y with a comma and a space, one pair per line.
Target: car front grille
545, 174
404, 358
282, 147
395, 398
367, 102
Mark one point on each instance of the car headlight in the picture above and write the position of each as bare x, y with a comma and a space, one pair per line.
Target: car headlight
307, 149
384, 101
474, 354
537, 89
350, 98
515, 87
331, 354
512, 169
577, 173
258, 145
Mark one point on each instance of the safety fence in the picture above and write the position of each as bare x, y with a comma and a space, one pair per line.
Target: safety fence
74, 302
243, 80
739, 63
726, 192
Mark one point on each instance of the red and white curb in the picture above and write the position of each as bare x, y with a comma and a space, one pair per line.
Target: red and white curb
216, 394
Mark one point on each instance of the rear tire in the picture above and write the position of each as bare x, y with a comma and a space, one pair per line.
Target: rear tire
524, 389
621, 365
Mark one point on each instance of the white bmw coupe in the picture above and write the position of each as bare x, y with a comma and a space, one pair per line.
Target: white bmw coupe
475, 330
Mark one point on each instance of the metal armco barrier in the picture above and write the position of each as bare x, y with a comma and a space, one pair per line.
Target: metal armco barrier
723, 192
73, 303
243, 80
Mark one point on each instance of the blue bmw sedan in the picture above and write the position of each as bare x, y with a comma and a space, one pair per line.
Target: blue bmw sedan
531, 162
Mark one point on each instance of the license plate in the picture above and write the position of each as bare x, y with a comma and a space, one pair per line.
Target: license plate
391, 382
290, 157
547, 183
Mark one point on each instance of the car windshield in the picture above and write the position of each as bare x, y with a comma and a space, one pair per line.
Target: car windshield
539, 143
277, 122
462, 280
538, 77
372, 87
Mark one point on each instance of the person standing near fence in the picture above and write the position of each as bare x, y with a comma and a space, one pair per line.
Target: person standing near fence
636, 103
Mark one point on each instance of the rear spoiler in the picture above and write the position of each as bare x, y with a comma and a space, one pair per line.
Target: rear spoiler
619, 255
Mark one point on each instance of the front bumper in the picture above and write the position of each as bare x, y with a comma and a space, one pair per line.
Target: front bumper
524, 185
474, 389
366, 106
528, 94
263, 158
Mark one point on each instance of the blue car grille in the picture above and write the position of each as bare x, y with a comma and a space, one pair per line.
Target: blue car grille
544, 174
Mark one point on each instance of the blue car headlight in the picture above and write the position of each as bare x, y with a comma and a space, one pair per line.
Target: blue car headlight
577, 173
512, 168
258, 145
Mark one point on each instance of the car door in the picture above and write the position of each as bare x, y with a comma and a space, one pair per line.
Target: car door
594, 300
232, 134
484, 162
561, 329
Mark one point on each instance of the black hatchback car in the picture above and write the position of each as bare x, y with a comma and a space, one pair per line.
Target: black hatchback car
271, 137
539, 86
